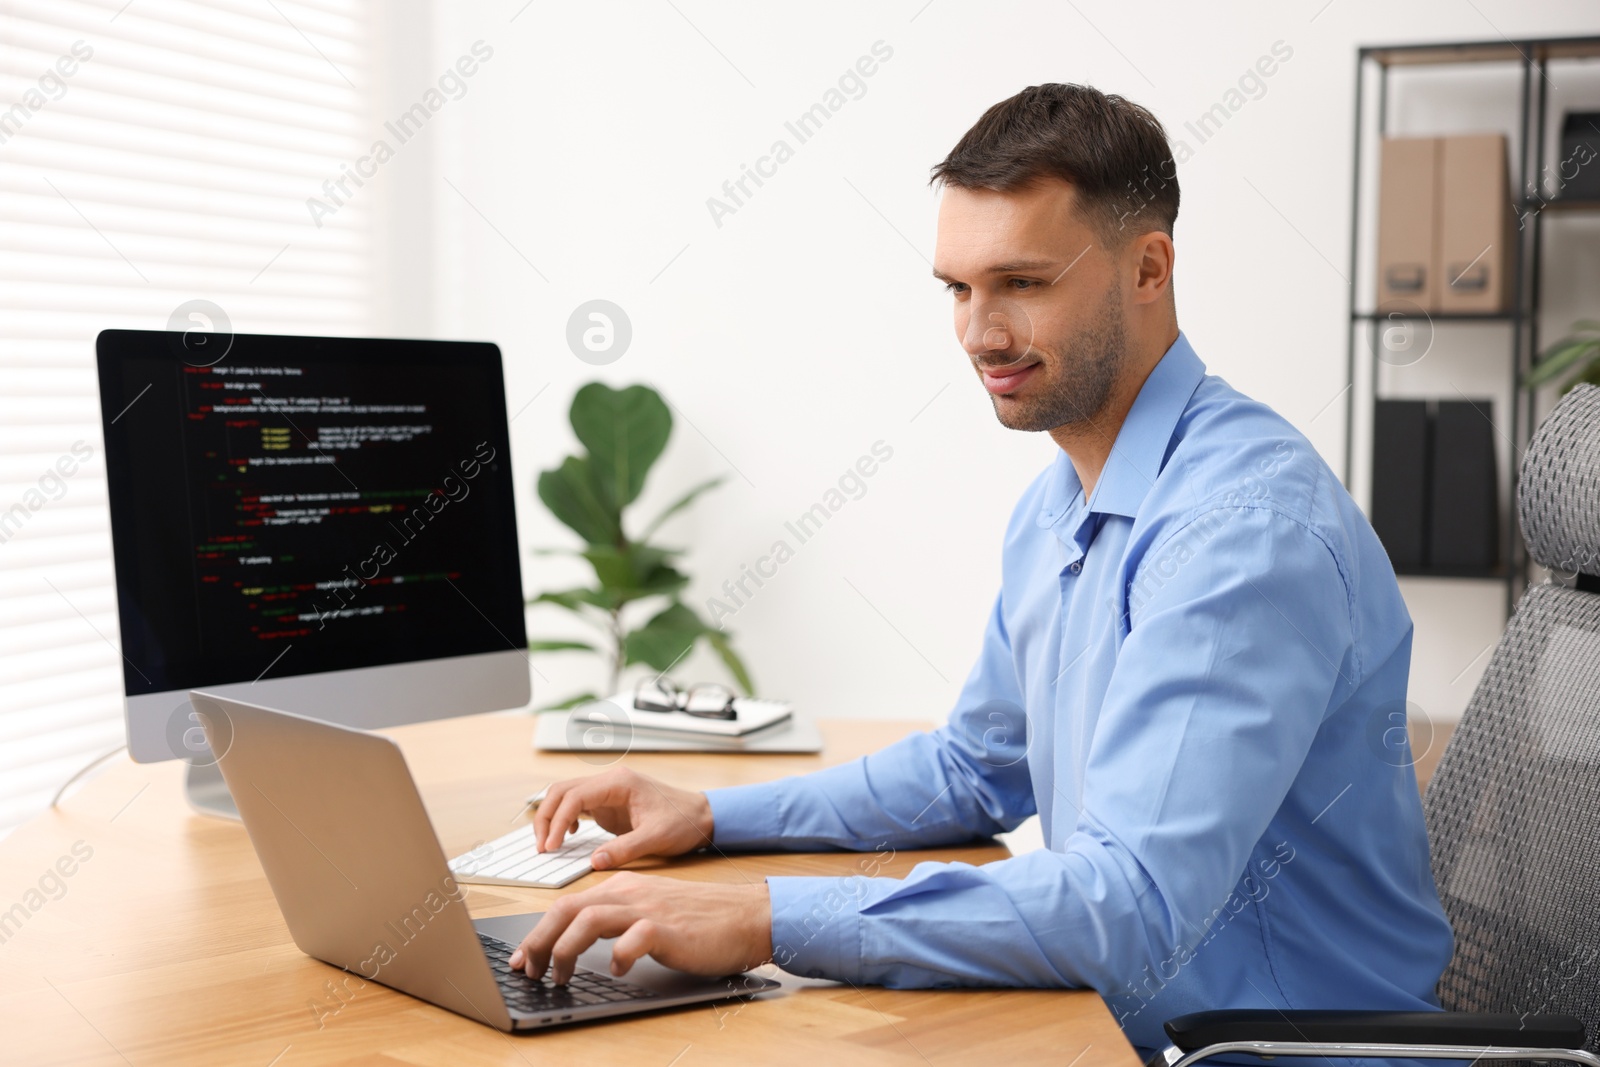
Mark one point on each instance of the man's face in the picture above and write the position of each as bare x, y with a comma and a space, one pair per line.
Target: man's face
1038, 302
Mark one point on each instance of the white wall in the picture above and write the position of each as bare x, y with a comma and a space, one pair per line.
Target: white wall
805, 327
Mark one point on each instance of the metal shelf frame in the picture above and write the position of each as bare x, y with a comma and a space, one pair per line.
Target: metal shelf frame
1533, 56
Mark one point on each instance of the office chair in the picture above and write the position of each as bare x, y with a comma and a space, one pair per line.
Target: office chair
1513, 817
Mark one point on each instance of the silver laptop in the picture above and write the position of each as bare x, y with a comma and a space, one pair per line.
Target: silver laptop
352, 858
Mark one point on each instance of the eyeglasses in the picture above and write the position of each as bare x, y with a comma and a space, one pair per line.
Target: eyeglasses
707, 700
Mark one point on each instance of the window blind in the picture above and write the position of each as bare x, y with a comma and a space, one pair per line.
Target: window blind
152, 153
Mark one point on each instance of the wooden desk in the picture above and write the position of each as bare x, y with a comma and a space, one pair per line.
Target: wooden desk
165, 946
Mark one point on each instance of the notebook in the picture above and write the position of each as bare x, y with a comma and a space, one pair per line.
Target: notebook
555, 732
754, 714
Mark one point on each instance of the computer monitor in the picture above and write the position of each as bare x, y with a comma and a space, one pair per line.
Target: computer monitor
319, 524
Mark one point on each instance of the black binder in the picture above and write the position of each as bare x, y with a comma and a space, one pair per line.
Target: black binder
1464, 524
1400, 465
1578, 173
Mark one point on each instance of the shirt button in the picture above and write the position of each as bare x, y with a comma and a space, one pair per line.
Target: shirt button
1076, 567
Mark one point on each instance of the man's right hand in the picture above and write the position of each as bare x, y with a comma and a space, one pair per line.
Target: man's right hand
650, 818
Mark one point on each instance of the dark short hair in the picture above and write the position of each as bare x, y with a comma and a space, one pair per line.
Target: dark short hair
1113, 152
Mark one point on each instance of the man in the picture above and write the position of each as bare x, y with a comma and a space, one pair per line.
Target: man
1192, 673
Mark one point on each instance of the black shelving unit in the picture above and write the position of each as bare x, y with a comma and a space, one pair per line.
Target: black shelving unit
1533, 57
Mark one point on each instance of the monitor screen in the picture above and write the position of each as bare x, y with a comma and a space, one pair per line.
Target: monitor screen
286, 506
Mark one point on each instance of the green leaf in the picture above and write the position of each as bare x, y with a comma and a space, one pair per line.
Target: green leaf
720, 641
636, 571
662, 581
622, 568
665, 639
682, 502
575, 599
571, 702
625, 431
1561, 357
561, 646
1590, 376
1566, 346
572, 495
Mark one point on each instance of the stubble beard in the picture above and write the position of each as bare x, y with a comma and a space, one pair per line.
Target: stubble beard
1085, 373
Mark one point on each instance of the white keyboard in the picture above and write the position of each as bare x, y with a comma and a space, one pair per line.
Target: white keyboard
513, 860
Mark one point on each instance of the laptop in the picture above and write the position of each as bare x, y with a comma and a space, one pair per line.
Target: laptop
358, 873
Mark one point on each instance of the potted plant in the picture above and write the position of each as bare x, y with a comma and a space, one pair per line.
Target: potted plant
623, 433
1577, 354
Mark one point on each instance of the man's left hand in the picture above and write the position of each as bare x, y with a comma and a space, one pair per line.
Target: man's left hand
698, 927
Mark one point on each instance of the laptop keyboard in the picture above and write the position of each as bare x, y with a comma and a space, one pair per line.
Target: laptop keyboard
514, 859
586, 988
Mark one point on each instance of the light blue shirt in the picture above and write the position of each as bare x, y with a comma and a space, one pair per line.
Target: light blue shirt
1197, 680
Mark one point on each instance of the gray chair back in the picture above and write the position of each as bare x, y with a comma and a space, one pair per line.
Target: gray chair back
1513, 810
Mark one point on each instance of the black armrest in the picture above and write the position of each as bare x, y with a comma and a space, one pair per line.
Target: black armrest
1473, 1029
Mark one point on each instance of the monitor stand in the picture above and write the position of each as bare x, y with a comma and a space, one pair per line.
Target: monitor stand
208, 793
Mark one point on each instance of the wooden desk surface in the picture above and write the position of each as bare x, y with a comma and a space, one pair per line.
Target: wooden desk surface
133, 931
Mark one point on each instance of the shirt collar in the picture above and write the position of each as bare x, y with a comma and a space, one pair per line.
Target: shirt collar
1141, 443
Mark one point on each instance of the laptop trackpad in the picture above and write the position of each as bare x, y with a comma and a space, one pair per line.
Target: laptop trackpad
647, 972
